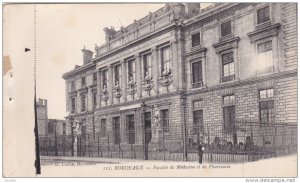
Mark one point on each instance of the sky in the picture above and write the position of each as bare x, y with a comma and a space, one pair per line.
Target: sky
62, 31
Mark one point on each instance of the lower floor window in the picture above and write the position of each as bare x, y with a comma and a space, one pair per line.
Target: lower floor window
266, 109
116, 130
130, 129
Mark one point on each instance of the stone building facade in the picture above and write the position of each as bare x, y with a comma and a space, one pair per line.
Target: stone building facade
229, 62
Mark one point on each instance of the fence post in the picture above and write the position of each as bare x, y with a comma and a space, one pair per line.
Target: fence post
163, 135
108, 145
184, 142
98, 145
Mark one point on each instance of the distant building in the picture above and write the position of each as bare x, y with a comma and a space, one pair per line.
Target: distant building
42, 116
59, 126
47, 126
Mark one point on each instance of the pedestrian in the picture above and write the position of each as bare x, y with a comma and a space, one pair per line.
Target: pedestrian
200, 152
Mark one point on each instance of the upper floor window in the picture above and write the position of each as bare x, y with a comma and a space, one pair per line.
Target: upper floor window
165, 60
227, 67
83, 104
94, 99
73, 104
131, 70
265, 60
226, 28
147, 65
197, 74
263, 15
117, 74
95, 76
196, 39
72, 85
104, 78
83, 81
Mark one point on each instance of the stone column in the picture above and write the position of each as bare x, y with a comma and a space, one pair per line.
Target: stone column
204, 62
99, 87
180, 61
139, 77
174, 63
236, 65
78, 102
124, 80
155, 68
110, 83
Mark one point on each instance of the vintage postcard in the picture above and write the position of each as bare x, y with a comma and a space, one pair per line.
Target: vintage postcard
150, 90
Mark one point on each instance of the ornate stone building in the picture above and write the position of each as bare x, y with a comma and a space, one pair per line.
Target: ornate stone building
229, 62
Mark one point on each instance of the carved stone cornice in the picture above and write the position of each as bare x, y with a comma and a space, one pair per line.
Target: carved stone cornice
147, 85
131, 89
137, 42
226, 44
83, 90
197, 51
117, 92
105, 95
264, 32
73, 93
165, 80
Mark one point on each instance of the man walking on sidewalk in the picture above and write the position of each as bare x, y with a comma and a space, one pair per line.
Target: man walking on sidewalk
200, 151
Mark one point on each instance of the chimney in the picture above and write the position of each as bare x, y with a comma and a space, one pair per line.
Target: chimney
192, 8
45, 102
87, 55
40, 102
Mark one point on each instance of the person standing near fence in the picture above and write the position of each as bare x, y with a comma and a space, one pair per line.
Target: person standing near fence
200, 151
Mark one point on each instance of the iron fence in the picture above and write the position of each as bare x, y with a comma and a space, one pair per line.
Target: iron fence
240, 142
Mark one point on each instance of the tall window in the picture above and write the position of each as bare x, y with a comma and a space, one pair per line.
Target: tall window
265, 60
266, 105
72, 85
197, 74
197, 121
117, 74
73, 104
83, 82
83, 100
165, 120
165, 60
131, 70
116, 130
226, 28
83, 130
148, 133
196, 39
263, 15
130, 128
95, 78
103, 127
227, 67
94, 99
104, 78
228, 111
147, 64
64, 128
